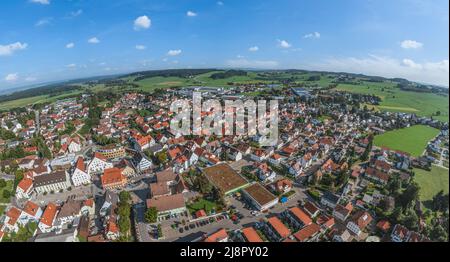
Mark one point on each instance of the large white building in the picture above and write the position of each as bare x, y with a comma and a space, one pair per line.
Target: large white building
79, 175
55, 182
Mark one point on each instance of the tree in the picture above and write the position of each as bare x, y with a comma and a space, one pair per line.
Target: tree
2, 183
151, 215
409, 195
6, 194
124, 196
202, 184
440, 201
438, 233
411, 220
160, 233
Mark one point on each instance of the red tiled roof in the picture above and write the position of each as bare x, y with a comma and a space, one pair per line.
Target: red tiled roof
31, 208
49, 214
218, 236
281, 229
302, 216
251, 235
13, 214
307, 232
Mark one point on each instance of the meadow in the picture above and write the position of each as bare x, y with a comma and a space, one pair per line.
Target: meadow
431, 182
412, 140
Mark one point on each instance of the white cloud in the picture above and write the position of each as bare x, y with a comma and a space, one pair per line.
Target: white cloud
76, 13
43, 2
30, 79
93, 40
174, 52
12, 77
141, 47
244, 63
6, 50
191, 13
426, 72
142, 23
312, 35
44, 21
71, 65
253, 49
411, 44
283, 44
70, 45
219, 3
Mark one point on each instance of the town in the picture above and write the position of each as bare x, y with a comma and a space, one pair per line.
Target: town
106, 167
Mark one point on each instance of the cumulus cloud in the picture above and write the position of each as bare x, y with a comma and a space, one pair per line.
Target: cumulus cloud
93, 40
410, 44
12, 77
70, 45
44, 21
427, 72
312, 35
283, 44
141, 47
42, 2
142, 23
244, 63
6, 50
174, 52
253, 49
191, 13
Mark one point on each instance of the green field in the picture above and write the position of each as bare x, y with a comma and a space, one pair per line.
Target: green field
396, 100
431, 182
412, 140
34, 100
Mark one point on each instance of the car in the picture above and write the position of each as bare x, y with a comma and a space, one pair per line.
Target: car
239, 215
192, 226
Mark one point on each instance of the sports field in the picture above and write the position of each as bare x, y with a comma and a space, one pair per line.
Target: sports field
412, 140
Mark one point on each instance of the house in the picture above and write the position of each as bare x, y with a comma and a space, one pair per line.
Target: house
384, 225
30, 213
377, 176
311, 209
168, 206
297, 217
11, 219
113, 178
26, 163
276, 229
225, 178
342, 236
359, 222
329, 199
141, 162
281, 186
259, 197
24, 188
79, 175
74, 145
111, 199
399, 233
52, 182
69, 211
249, 234
341, 212
48, 218
220, 236
98, 164
308, 234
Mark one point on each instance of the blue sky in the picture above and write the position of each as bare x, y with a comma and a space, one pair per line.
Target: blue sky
46, 40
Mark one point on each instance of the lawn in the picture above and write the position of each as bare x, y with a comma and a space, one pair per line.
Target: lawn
412, 140
396, 100
202, 204
9, 187
431, 182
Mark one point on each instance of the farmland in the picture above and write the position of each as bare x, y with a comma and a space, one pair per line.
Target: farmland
431, 182
412, 140
396, 100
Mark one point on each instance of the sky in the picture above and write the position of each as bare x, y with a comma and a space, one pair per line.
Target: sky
49, 40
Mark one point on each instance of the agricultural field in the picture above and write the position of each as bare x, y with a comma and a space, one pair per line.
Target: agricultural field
412, 140
396, 100
35, 100
431, 182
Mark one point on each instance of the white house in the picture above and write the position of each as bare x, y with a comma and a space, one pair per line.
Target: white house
98, 164
30, 213
79, 175
74, 146
24, 188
